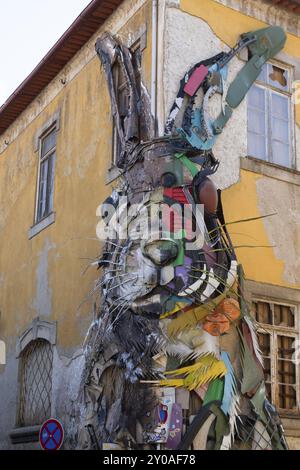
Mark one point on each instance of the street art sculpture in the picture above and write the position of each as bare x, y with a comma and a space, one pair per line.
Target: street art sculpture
172, 360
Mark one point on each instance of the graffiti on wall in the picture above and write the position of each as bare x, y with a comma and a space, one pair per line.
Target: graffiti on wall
172, 358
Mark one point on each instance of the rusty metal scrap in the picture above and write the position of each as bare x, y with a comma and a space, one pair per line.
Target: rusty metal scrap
112, 52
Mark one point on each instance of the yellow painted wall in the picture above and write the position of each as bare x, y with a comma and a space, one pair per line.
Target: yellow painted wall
83, 157
260, 263
50, 265
241, 200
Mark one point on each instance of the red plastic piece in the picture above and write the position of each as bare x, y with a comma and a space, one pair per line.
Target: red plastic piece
172, 217
176, 194
195, 80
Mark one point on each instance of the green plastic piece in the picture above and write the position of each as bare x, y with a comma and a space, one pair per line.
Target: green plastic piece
215, 391
193, 169
252, 372
221, 426
179, 261
222, 120
258, 402
269, 41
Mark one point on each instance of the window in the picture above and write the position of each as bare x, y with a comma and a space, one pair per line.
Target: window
46, 175
35, 383
278, 339
122, 96
270, 116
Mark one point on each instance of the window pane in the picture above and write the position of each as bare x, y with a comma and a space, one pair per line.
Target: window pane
48, 143
280, 130
280, 106
286, 347
257, 140
281, 153
263, 74
264, 343
45, 201
256, 121
284, 316
286, 372
263, 312
257, 146
278, 77
256, 98
50, 190
287, 397
43, 190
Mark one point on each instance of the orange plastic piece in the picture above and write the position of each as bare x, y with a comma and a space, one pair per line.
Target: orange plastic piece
219, 321
230, 308
216, 324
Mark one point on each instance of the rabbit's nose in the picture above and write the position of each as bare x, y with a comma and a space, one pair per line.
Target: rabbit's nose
161, 252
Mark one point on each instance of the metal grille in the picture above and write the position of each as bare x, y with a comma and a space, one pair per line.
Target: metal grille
36, 383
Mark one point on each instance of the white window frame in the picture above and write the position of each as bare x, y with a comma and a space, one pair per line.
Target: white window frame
291, 117
274, 331
52, 128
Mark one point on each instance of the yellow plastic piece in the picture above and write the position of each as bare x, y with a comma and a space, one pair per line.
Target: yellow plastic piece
192, 317
207, 368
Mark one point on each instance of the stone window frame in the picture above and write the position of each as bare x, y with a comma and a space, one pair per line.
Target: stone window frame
271, 170
39, 329
51, 124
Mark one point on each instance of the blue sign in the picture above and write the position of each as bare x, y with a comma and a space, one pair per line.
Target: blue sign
51, 435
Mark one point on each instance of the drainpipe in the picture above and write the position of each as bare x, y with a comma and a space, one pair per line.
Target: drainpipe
154, 62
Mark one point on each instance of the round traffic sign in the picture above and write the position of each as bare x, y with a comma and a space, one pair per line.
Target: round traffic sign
51, 435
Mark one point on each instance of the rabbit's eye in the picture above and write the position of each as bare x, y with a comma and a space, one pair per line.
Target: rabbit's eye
208, 196
168, 180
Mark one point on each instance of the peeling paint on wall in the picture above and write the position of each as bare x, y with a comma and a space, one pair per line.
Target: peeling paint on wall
180, 25
273, 265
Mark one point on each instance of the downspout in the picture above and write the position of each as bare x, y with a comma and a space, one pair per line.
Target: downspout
154, 63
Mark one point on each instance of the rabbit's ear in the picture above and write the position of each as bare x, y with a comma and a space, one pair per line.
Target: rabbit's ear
121, 72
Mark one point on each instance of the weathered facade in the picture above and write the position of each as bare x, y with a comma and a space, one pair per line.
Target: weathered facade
44, 296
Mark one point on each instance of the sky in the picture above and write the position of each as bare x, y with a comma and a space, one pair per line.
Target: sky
28, 29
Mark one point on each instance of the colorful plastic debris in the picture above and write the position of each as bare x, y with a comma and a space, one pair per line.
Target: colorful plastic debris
158, 371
